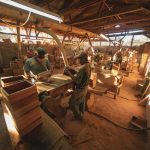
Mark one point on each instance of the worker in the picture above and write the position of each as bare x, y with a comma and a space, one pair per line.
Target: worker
30, 53
37, 64
81, 80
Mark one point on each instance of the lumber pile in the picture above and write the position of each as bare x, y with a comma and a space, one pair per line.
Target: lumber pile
16, 68
21, 101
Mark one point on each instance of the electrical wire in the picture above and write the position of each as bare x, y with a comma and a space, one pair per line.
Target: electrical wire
116, 123
16, 25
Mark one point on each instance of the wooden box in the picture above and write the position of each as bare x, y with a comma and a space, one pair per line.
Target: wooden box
17, 72
19, 63
5, 81
22, 101
8, 72
13, 65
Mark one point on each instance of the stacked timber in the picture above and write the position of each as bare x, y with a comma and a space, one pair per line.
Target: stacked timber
17, 67
21, 99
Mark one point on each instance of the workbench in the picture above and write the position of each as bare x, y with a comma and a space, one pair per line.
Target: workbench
57, 85
48, 134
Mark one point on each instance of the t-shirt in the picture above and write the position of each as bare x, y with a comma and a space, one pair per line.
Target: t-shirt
36, 67
83, 76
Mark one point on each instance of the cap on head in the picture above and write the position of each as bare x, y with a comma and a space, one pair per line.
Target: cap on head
41, 51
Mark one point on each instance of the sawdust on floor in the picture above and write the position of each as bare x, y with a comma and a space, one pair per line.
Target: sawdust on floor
104, 135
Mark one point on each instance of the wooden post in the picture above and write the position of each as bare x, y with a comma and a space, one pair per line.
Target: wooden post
132, 40
58, 42
18, 39
89, 39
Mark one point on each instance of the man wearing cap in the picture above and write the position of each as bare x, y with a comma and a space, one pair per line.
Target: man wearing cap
37, 64
81, 81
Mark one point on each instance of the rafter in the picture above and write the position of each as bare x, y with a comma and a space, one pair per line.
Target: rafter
123, 21
125, 10
125, 29
79, 6
123, 34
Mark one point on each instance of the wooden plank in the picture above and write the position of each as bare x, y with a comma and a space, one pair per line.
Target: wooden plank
58, 81
18, 40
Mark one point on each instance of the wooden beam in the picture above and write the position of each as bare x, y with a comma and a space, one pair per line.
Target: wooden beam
19, 40
123, 21
128, 27
132, 40
79, 6
58, 42
116, 12
14, 14
89, 40
25, 35
123, 34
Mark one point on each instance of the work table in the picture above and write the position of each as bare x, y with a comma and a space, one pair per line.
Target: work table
58, 83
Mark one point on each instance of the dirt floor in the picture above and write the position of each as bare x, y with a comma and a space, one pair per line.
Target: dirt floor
95, 133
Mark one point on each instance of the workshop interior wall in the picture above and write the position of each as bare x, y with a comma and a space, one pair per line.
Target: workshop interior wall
8, 50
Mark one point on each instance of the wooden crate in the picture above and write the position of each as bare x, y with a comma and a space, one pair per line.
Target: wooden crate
13, 65
22, 101
8, 72
19, 63
5, 81
17, 72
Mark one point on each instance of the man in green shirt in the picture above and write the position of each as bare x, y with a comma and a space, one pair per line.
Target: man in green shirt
81, 81
37, 64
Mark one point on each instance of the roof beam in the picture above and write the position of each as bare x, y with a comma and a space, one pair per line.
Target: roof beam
123, 21
136, 25
14, 14
79, 6
125, 29
131, 26
114, 13
123, 34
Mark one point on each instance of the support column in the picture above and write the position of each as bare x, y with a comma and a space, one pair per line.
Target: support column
58, 42
18, 39
132, 40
